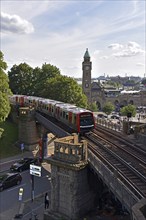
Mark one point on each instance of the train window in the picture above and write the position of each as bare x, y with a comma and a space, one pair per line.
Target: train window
86, 120
75, 118
66, 116
63, 114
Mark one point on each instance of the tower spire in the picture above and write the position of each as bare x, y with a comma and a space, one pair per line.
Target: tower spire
86, 55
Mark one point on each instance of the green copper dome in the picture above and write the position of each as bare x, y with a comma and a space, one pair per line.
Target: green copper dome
86, 55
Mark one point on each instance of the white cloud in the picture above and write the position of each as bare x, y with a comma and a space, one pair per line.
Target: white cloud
129, 50
132, 44
15, 24
115, 46
104, 57
96, 52
140, 64
64, 29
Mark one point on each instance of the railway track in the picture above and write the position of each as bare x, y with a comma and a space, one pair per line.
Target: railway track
130, 175
127, 164
131, 154
118, 136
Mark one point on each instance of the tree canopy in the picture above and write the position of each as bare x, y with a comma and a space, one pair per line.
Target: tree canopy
20, 77
108, 108
93, 107
143, 81
4, 90
46, 82
129, 109
65, 89
28, 81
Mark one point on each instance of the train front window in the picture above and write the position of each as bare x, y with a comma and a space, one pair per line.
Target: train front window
86, 120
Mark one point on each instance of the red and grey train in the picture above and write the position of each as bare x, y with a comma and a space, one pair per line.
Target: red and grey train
79, 119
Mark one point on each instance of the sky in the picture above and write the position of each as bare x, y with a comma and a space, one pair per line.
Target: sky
58, 32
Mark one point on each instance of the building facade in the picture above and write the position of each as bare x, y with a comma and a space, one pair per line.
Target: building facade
96, 93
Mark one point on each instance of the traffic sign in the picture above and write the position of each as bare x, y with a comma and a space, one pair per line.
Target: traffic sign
22, 146
35, 173
35, 170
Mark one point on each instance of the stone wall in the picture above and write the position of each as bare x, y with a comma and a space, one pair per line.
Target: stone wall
71, 197
28, 134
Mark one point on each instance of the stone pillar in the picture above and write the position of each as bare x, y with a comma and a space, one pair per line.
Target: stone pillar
125, 127
28, 134
71, 197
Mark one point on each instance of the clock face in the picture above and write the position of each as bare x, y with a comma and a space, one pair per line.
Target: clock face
86, 67
86, 85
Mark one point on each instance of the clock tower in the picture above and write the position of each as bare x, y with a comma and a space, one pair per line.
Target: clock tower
86, 79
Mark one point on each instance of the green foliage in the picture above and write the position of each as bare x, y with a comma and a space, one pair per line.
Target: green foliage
93, 107
128, 109
108, 108
4, 90
46, 82
113, 84
65, 89
28, 81
47, 72
144, 81
9, 137
1, 132
20, 77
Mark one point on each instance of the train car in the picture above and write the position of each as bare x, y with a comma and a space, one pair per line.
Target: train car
48, 106
82, 120
31, 101
17, 100
79, 119
61, 111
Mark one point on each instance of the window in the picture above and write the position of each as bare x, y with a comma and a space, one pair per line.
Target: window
66, 116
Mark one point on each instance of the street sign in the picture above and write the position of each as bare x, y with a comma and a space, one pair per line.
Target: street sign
35, 173
22, 146
35, 170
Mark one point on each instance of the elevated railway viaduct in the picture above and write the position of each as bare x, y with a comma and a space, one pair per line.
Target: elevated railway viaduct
74, 171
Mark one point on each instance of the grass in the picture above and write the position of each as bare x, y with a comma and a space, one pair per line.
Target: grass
8, 140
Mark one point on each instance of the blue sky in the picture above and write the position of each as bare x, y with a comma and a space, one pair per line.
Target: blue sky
58, 32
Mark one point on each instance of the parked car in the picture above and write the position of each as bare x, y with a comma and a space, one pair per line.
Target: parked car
115, 117
23, 164
100, 115
8, 180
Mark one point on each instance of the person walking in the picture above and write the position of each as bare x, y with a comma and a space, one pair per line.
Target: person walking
46, 201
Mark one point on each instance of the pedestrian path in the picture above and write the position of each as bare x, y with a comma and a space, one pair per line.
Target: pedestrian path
34, 208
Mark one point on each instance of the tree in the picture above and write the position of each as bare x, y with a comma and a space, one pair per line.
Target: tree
113, 84
49, 71
4, 90
28, 81
93, 107
65, 89
143, 81
20, 77
42, 75
37, 85
108, 108
128, 110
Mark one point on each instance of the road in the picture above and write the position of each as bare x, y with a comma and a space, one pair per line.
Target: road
9, 198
